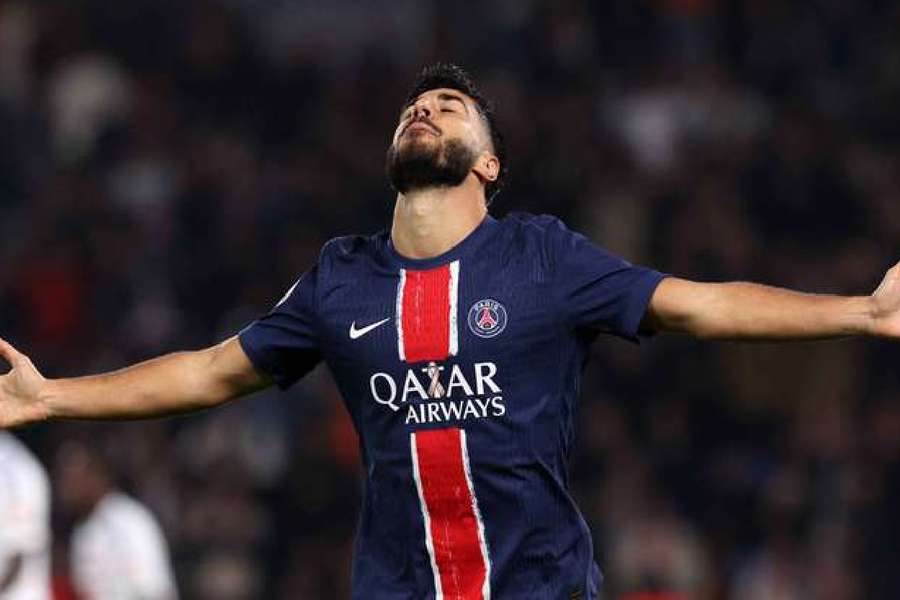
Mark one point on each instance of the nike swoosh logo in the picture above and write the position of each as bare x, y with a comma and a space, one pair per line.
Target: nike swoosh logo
358, 333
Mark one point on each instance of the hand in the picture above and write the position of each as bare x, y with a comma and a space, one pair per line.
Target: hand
20, 389
886, 305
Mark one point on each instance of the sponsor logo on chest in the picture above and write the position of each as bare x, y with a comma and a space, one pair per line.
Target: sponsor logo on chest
433, 390
437, 393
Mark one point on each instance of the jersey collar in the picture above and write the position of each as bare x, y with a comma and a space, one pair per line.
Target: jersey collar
465, 247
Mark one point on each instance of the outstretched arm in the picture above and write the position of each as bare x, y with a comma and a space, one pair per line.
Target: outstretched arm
171, 384
748, 311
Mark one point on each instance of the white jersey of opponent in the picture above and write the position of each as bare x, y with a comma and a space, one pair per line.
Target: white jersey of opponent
24, 520
119, 553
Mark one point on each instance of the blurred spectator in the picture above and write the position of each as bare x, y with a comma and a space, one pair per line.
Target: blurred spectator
117, 549
659, 553
24, 523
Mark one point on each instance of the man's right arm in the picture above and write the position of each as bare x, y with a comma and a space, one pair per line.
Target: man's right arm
172, 384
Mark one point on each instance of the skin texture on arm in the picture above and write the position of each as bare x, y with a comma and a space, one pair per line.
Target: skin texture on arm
749, 311
172, 384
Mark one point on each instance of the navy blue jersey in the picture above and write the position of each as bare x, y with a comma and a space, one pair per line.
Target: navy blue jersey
461, 374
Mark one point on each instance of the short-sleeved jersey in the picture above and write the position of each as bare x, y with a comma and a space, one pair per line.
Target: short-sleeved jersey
461, 375
24, 520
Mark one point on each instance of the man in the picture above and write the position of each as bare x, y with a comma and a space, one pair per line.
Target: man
457, 341
118, 549
24, 523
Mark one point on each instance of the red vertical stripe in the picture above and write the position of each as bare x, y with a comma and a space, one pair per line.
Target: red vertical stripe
452, 517
426, 314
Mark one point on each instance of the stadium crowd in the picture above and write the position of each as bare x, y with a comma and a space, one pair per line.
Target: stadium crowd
168, 169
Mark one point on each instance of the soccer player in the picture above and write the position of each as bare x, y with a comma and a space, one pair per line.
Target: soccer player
118, 549
457, 341
24, 523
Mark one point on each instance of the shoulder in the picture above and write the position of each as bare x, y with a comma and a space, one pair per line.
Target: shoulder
351, 246
125, 508
348, 250
544, 233
335, 262
121, 514
549, 229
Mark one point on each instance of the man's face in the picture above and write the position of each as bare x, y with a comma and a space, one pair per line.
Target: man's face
440, 136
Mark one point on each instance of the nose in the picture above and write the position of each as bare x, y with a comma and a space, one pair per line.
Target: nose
422, 108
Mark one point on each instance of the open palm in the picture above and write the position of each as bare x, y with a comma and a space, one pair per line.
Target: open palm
19, 389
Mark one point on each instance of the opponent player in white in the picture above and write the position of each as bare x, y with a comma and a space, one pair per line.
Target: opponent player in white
118, 549
24, 523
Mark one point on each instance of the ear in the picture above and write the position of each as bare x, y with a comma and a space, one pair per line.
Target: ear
487, 167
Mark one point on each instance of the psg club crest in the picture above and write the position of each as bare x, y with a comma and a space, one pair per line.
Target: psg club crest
487, 318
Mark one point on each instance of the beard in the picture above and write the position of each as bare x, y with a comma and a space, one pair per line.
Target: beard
415, 165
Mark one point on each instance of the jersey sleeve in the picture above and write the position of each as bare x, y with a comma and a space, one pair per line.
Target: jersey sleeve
284, 344
598, 290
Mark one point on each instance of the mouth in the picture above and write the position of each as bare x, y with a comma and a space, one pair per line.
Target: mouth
420, 126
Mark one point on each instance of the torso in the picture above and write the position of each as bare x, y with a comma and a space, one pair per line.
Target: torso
461, 374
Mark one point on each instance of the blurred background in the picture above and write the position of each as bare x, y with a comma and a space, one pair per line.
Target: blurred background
167, 169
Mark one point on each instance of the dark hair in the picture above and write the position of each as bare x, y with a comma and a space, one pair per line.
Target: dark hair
448, 75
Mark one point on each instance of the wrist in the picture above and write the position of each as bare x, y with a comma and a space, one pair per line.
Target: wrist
870, 314
45, 406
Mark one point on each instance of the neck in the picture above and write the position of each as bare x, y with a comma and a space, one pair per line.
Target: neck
431, 221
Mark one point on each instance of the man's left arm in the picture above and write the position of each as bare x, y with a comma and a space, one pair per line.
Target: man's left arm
749, 311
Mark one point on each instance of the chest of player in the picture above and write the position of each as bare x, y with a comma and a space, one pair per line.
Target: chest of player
451, 338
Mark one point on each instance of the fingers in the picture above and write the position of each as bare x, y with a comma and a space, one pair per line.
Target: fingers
7, 352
